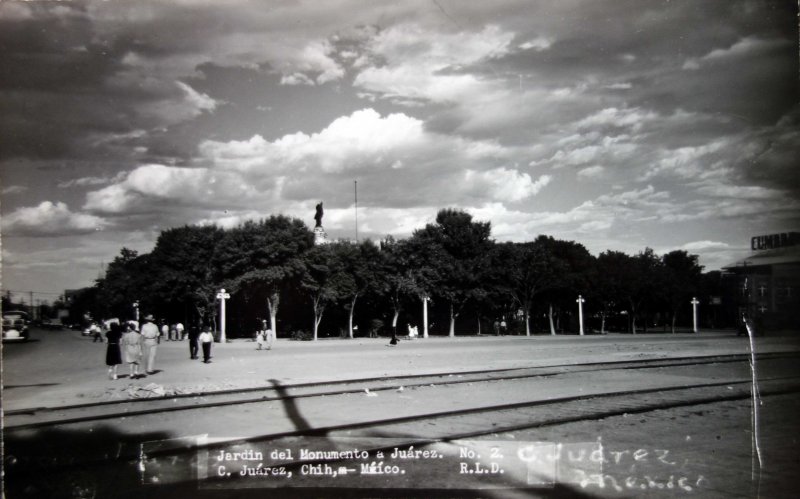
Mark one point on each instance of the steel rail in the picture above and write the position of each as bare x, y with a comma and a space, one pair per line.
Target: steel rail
9, 416
594, 366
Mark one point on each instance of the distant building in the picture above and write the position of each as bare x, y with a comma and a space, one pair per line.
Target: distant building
768, 281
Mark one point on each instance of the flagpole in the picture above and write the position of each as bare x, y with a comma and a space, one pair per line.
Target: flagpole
355, 186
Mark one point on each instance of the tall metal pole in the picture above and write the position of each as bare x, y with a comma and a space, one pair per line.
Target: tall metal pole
355, 186
694, 303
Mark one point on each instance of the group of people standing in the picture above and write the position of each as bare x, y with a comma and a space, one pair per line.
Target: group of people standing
134, 347
265, 337
174, 332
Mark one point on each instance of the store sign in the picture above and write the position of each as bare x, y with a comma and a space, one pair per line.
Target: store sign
774, 241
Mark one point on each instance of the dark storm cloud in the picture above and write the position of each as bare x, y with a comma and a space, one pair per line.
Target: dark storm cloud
55, 91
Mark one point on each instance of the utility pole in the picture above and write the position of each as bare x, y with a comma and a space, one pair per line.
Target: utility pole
580, 301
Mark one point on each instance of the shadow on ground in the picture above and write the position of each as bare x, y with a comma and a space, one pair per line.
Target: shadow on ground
103, 461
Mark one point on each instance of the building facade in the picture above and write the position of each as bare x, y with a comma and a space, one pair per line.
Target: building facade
768, 281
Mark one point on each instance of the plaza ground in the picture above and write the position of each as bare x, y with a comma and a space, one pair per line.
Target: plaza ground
711, 441
63, 367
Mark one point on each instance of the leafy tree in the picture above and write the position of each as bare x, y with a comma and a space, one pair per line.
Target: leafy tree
633, 280
645, 285
81, 302
569, 266
397, 277
458, 250
182, 261
360, 262
615, 272
523, 271
325, 278
127, 280
263, 257
682, 274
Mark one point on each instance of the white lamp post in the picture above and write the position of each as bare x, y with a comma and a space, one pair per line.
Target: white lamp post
580, 302
425, 317
222, 296
694, 303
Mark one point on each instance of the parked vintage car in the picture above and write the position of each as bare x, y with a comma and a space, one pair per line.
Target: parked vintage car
15, 326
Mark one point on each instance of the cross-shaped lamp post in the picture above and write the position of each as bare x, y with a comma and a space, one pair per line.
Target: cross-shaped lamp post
136, 310
222, 296
580, 302
694, 303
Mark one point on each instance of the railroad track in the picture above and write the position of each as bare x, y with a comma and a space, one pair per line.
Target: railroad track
424, 429
49, 417
417, 429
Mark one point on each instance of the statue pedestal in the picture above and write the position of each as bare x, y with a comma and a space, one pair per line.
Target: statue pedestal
320, 237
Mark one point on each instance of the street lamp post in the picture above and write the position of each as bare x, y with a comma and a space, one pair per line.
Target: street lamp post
222, 296
694, 303
136, 310
580, 302
425, 316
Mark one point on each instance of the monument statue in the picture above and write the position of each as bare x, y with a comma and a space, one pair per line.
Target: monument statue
318, 215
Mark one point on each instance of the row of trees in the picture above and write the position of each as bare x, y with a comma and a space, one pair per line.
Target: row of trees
272, 267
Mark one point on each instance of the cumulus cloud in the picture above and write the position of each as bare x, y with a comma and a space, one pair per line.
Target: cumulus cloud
314, 58
740, 191
591, 172
689, 161
704, 245
504, 184
200, 101
14, 189
612, 116
539, 44
149, 187
749, 46
50, 219
415, 62
90, 181
15, 11
348, 142
394, 157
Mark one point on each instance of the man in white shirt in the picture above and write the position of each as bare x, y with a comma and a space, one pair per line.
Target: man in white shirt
206, 338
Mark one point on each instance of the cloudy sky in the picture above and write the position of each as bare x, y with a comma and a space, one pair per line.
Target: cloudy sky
618, 124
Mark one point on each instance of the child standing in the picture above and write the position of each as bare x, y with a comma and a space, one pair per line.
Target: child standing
259, 339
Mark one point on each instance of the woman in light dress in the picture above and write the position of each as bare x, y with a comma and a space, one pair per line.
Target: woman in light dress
132, 350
